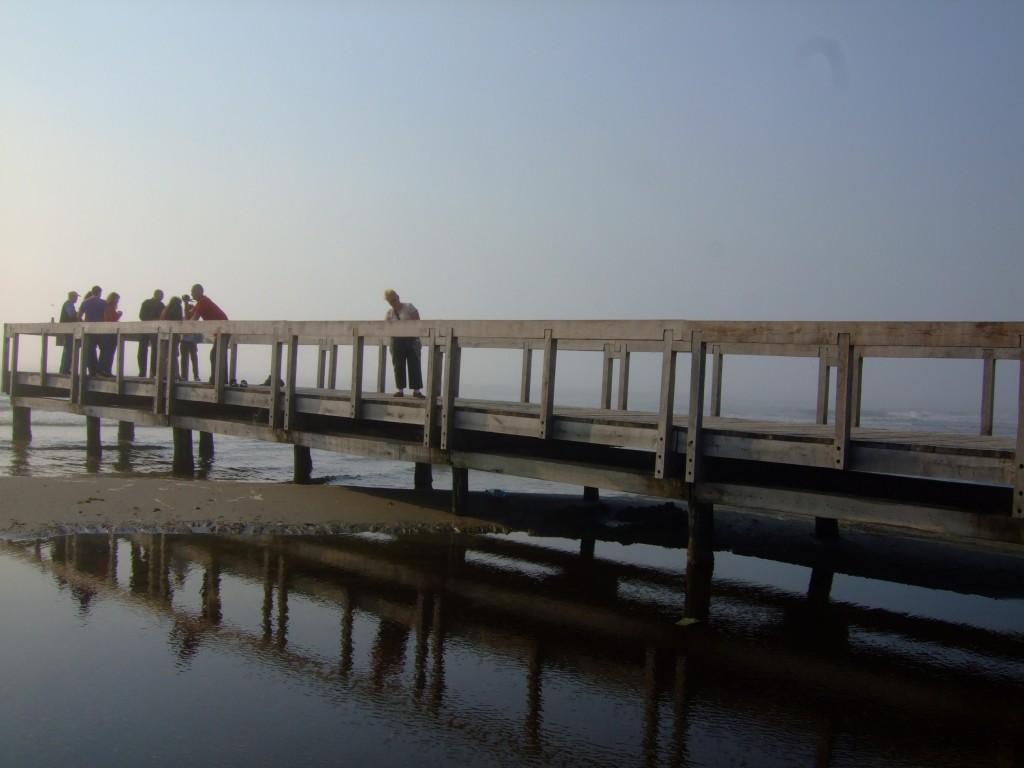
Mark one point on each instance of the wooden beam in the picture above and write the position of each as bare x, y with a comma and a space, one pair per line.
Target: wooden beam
547, 386
1018, 490
607, 369
526, 373
355, 403
694, 432
624, 377
717, 363
431, 389
274, 401
844, 401
289, 380
824, 376
451, 388
988, 392
662, 464
6, 383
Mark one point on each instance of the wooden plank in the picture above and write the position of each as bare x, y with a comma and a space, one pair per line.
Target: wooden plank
547, 386
273, 419
1018, 489
5, 384
662, 464
717, 365
431, 434
451, 388
526, 373
864, 510
694, 432
988, 392
824, 371
356, 378
624, 377
607, 365
844, 400
289, 381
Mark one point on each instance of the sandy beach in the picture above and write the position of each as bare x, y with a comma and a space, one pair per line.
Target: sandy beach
30, 506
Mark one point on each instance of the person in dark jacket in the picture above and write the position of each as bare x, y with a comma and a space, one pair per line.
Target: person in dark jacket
151, 309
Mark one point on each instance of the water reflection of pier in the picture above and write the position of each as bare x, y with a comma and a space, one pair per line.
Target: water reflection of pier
408, 614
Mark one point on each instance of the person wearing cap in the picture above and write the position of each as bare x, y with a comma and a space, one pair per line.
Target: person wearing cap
68, 314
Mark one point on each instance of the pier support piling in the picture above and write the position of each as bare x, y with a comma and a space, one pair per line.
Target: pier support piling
591, 494
302, 469
206, 445
125, 431
21, 424
423, 476
183, 462
701, 534
826, 528
93, 446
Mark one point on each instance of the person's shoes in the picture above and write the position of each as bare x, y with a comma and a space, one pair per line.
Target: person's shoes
104, 375
399, 393
418, 394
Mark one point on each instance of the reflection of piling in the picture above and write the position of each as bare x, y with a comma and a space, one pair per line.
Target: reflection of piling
183, 462
93, 446
460, 490
21, 424
206, 445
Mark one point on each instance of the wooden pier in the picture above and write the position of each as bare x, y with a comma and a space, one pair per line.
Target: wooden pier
681, 447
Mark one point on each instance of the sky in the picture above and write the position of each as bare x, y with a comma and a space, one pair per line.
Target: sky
561, 159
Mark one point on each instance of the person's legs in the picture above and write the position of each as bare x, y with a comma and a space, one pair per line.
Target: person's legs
415, 371
183, 347
142, 358
65, 356
399, 353
193, 352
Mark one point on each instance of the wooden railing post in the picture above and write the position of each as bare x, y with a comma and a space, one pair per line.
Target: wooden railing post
988, 391
355, 402
624, 377
220, 372
5, 384
273, 420
13, 382
1018, 490
824, 382
289, 380
695, 423
668, 394
527, 373
43, 351
431, 389
844, 400
607, 369
717, 364
547, 386
77, 358
382, 365
452, 362
332, 367
321, 364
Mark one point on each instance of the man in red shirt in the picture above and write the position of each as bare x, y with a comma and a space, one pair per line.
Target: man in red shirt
206, 309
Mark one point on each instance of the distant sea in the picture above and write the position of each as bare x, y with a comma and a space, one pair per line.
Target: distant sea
57, 449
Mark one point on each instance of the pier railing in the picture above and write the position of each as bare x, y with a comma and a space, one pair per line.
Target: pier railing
292, 351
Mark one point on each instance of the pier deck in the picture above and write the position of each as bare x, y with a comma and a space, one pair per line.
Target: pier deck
962, 485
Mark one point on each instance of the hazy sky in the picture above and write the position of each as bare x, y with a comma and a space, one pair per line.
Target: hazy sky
576, 159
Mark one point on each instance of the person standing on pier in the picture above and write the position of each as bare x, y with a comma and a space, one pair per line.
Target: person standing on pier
151, 309
188, 344
109, 344
92, 310
206, 309
68, 314
405, 350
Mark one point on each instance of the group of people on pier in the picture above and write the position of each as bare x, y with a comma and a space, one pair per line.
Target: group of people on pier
100, 349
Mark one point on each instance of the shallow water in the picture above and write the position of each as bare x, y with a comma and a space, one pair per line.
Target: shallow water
489, 650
